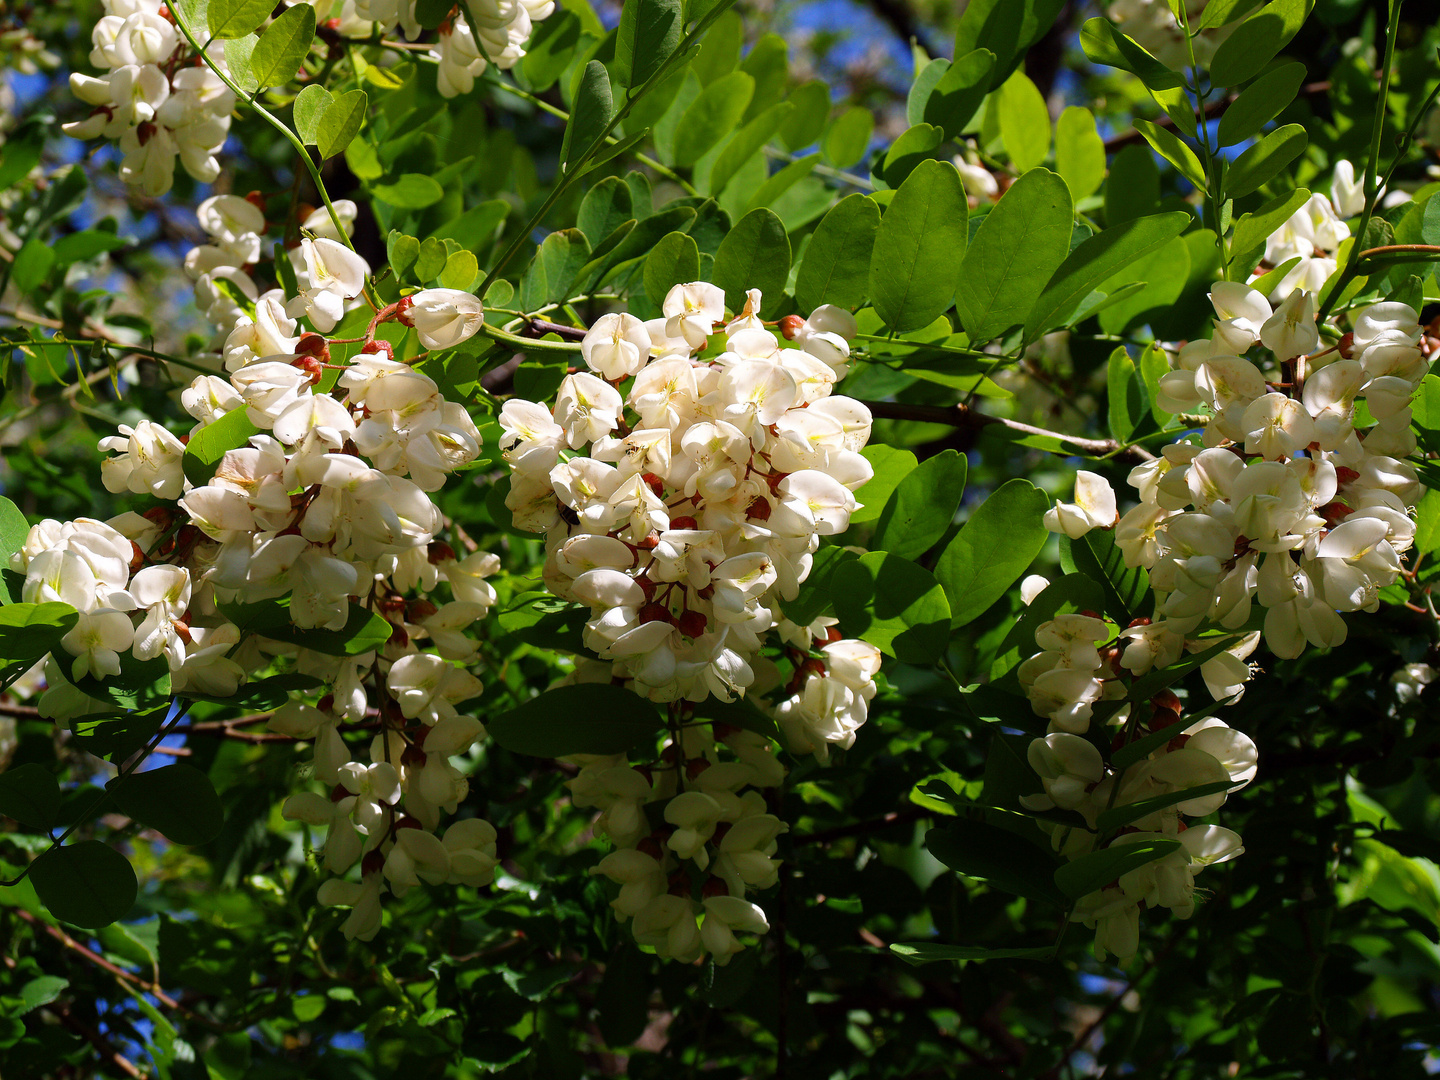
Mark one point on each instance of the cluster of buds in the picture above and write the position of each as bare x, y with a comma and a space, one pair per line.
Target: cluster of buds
708, 482
684, 870
326, 509
159, 99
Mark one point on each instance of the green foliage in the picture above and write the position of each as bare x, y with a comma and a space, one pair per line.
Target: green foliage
998, 541
282, 46
580, 719
918, 248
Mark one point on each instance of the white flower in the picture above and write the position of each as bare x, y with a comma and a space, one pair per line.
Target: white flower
444, 318
616, 346
1093, 508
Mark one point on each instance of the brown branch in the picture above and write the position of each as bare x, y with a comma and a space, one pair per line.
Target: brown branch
1214, 109
99, 961
103, 1046
545, 326
964, 417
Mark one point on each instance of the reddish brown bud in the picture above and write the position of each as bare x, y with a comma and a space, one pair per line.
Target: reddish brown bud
257, 200
684, 523
338, 792
408, 822
182, 630
1346, 346
402, 310
145, 132
1143, 620
832, 635
419, 736
714, 887
313, 345
418, 610
1177, 743
654, 483
161, 516
439, 552
1345, 475
391, 603
656, 613
311, 366
791, 325
137, 557
398, 637
1334, 512
759, 509
413, 757
692, 623
650, 543
373, 863
326, 703
378, 347
1166, 699
646, 586
650, 846
695, 766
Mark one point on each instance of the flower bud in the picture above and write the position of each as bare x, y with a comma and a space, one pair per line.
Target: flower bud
791, 325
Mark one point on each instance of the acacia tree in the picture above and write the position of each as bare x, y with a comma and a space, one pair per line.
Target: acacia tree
634, 561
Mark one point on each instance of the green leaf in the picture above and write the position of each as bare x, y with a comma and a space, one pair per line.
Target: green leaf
755, 254
675, 260
623, 996
115, 738
836, 267
1252, 230
649, 33
462, 271
1169, 146
924, 952
1164, 272
590, 116
895, 605
30, 795
1133, 189
178, 801
1104, 44
29, 631
282, 47
748, 141
431, 260
919, 247
1093, 872
41, 991
401, 252
31, 265
310, 105
80, 246
14, 529
206, 448
958, 92
768, 63
1219, 12
993, 548
1263, 161
1079, 152
1125, 393
806, 122
340, 123
1117, 817
585, 718
719, 51
411, 191
1018, 246
997, 857
236, 18
848, 139
1260, 102
891, 464
816, 594
912, 147
363, 631
1024, 122
1006, 27
86, 884
712, 116
141, 684
1096, 259
1097, 556
923, 506
238, 53
606, 207
1252, 44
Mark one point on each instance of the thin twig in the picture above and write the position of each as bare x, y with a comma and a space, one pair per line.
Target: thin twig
962, 416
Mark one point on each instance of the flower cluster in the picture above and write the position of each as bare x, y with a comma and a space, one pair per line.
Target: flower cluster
318, 517
498, 35
683, 873
716, 457
708, 483
159, 100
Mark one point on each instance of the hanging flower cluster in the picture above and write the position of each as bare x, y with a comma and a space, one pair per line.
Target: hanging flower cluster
714, 460
498, 36
1079, 668
159, 100
322, 509
683, 873
1288, 500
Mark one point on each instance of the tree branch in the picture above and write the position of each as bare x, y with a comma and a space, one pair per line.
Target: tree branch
966, 418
